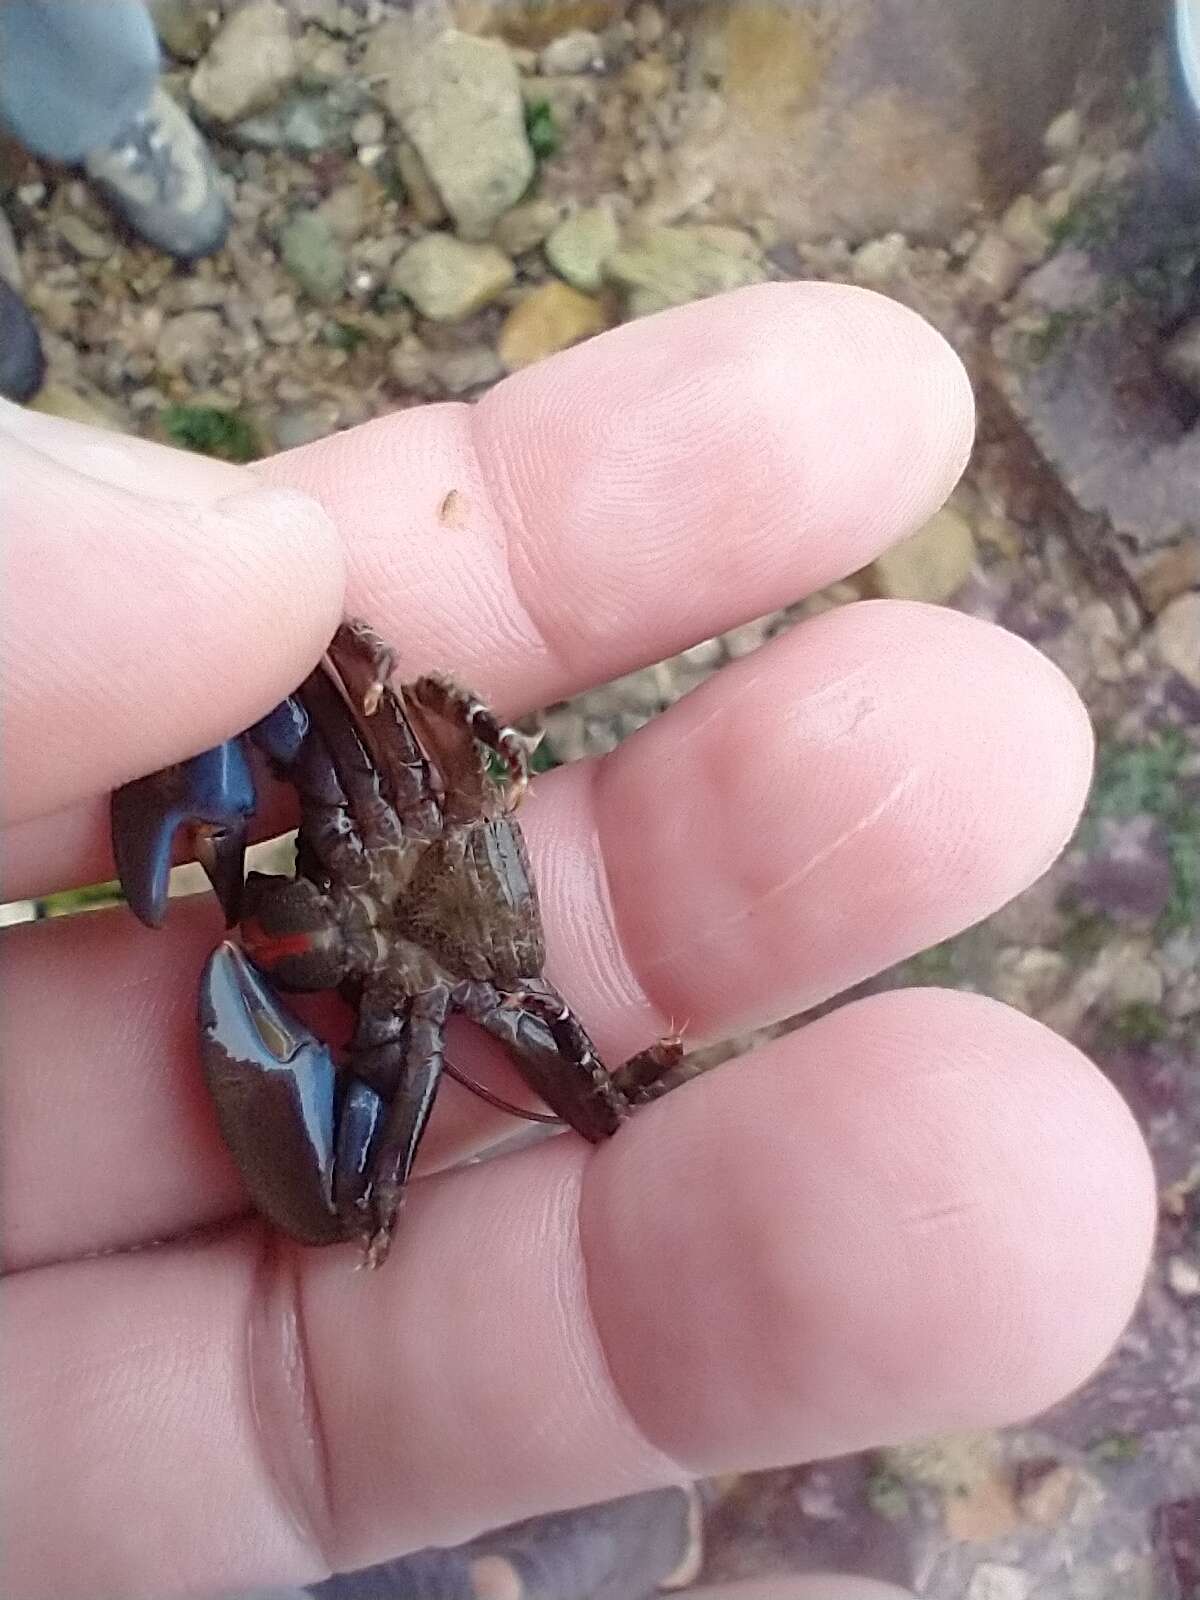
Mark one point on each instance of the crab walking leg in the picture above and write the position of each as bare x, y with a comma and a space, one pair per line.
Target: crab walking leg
441, 697
644, 1077
392, 1160
363, 661
552, 1052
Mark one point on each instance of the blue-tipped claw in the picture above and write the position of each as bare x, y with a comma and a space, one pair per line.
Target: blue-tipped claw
213, 795
274, 1085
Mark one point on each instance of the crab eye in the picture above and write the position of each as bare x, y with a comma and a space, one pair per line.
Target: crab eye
291, 932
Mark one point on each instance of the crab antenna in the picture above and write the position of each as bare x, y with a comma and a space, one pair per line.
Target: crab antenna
495, 1100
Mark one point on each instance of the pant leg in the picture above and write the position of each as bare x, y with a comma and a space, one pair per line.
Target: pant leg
74, 73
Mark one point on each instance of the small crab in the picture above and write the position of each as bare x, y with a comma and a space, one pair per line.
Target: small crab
413, 897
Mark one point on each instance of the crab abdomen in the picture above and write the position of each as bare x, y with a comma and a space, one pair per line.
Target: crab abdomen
472, 903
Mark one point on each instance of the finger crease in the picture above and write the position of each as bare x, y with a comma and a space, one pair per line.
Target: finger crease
656, 1466
284, 1408
508, 516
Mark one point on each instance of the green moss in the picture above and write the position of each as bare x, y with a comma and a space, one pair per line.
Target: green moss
1053, 332
936, 966
1086, 933
1131, 779
1147, 780
542, 129
209, 431
1116, 1448
1094, 221
1138, 1023
345, 336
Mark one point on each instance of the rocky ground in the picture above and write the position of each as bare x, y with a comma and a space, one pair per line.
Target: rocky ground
575, 166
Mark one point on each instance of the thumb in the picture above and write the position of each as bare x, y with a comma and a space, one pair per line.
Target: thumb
156, 605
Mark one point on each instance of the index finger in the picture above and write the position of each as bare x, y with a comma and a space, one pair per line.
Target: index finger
658, 485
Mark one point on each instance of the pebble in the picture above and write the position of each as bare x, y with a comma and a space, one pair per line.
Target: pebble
459, 100
1063, 136
448, 280
313, 256
1177, 637
994, 1582
649, 25
525, 227
368, 129
1183, 1276
249, 63
879, 260
671, 266
10, 260
580, 248
423, 198
1047, 1497
85, 240
184, 27
459, 371
189, 341
550, 319
931, 564
994, 268
1024, 226
578, 51
60, 400
1028, 978
1172, 573
1181, 355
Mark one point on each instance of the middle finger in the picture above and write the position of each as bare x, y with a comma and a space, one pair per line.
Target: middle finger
855, 791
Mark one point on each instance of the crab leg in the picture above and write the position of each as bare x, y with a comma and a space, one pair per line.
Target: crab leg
545, 1038
423, 1048
441, 698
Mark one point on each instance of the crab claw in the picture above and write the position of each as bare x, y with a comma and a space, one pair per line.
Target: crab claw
274, 1087
212, 795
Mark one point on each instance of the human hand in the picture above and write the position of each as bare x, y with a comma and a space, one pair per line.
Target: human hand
923, 1212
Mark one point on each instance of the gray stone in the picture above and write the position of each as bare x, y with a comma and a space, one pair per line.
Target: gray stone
994, 1582
447, 280
879, 260
1024, 226
578, 51
1063, 136
249, 64
184, 27
579, 248
671, 266
459, 371
85, 240
1181, 355
931, 564
312, 254
189, 341
459, 100
1177, 637
10, 260
994, 268
304, 123
424, 199
524, 227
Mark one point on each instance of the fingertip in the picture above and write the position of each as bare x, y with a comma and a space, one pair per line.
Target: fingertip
147, 629
923, 1212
